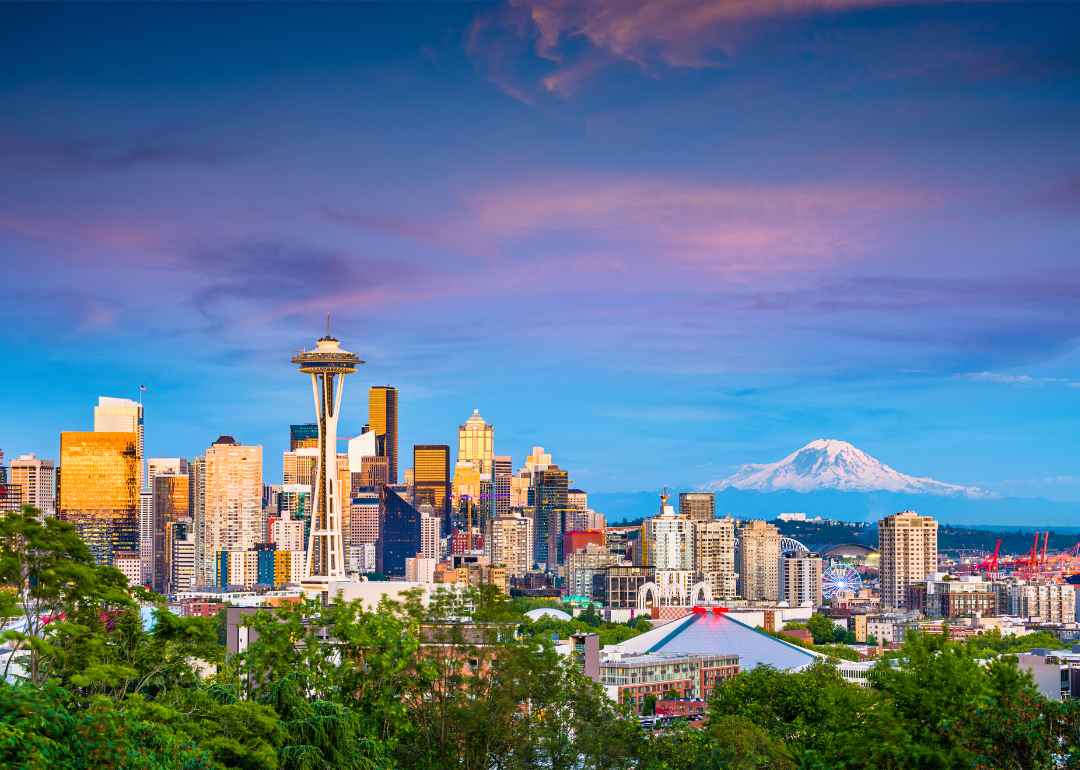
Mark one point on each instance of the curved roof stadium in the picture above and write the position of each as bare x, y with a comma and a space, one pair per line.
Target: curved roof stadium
848, 549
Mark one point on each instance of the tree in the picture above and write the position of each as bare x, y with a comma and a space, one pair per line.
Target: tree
739, 744
805, 710
40, 731
590, 617
871, 640
821, 628
649, 707
671, 694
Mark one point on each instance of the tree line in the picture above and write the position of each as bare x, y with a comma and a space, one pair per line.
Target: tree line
453, 684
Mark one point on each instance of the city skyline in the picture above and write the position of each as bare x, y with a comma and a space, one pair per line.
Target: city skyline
719, 235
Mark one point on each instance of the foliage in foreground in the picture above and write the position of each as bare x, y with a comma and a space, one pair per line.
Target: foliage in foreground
402, 687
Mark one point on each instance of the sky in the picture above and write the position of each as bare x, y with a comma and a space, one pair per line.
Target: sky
659, 239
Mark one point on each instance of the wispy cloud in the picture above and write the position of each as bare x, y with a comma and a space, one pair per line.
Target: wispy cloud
578, 41
1018, 379
183, 143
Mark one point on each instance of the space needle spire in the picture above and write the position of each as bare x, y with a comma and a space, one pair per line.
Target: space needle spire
327, 364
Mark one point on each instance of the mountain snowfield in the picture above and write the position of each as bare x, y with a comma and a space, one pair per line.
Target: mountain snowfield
831, 464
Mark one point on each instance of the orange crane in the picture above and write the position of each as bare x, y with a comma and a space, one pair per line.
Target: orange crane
991, 564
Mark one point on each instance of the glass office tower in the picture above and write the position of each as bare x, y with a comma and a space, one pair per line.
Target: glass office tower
100, 481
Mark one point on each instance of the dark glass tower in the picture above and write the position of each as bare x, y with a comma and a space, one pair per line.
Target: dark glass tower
399, 534
306, 435
549, 499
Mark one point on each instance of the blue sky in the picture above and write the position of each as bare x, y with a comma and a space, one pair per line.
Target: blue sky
659, 239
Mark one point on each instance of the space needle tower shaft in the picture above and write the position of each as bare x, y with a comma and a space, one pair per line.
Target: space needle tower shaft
327, 364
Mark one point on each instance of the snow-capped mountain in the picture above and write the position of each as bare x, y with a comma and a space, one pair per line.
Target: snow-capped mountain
831, 464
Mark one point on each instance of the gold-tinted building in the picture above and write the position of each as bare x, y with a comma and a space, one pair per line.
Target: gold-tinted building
476, 443
431, 479
382, 416
100, 474
170, 505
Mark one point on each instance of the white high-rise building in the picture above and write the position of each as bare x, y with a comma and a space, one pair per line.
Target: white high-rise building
233, 492
122, 415
511, 544
183, 561
429, 532
908, 546
668, 540
146, 535
287, 533
799, 575
37, 481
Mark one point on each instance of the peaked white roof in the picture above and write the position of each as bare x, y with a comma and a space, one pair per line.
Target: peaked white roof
719, 634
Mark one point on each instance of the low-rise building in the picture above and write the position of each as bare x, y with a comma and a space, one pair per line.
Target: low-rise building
1037, 598
583, 564
943, 596
630, 678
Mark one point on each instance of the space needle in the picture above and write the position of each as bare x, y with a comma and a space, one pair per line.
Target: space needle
326, 545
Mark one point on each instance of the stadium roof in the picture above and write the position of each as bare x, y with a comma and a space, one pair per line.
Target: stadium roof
708, 633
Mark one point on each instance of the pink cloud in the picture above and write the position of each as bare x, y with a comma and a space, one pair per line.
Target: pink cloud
582, 39
632, 225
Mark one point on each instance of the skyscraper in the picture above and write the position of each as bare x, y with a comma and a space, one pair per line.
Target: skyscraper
146, 536
170, 506
667, 540
400, 534
799, 576
714, 556
35, 477
501, 473
122, 415
303, 436
511, 544
100, 485
203, 565
300, 465
156, 465
431, 480
233, 493
383, 418
908, 545
698, 506
430, 526
326, 547
476, 443
549, 487
759, 557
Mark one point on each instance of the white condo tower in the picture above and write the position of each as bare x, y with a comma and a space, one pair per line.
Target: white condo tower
326, 546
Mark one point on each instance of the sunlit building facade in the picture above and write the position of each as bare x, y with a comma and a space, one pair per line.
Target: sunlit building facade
476, 443
100, 474
383, 419
233, 496
431, 480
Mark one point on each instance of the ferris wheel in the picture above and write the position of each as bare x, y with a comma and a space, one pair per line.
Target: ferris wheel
839, 578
